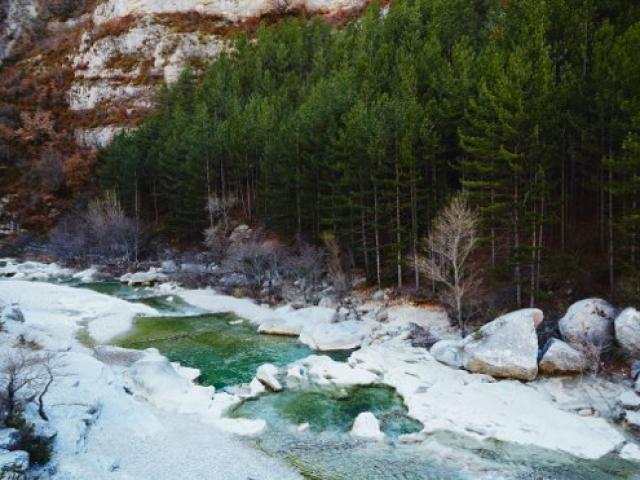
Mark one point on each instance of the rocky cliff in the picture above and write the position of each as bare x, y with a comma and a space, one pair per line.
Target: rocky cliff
76, 72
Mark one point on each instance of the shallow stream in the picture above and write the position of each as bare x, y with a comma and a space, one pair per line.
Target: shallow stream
228, 350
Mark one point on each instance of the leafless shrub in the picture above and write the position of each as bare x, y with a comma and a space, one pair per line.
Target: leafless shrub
216, 242
103, 232
307, 267
261, 263
593, 351
451, 241
339, 268
218, 208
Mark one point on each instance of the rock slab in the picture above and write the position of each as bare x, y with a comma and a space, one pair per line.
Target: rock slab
507, 347
561, 358
367, 426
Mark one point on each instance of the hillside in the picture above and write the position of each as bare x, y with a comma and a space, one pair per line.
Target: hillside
76, 72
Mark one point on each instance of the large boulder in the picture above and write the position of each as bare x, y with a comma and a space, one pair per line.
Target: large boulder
287, 322
588, 322
627, 329
507, 347
448, 352
335, 336
367, 426
560, 358
151, 277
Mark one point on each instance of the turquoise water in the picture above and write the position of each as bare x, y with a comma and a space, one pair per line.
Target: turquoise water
226, 353
165, 304
330, 411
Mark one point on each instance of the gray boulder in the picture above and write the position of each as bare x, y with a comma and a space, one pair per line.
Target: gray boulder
378, 296
507, 347
448, 352
169, 266
627, 329
240, 234
562, 359
588, 322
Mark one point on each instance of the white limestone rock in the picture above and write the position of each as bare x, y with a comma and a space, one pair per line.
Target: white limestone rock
450, 400
151, 277
232, 11
285, 321
326, 372
11, 313
561, 358
507, 347
267, 375
98, 137
632, 420
335, 336
112, 355
85, 95
9, 438
448, 352
627, 330
15, 461
630, 400
588, 322
631, 452
366, 426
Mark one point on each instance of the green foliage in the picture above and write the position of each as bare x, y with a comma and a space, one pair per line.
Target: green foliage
365, 131
39, 448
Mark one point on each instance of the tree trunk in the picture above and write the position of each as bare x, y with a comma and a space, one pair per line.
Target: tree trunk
398, 233
516, 240
376, 235
610, 250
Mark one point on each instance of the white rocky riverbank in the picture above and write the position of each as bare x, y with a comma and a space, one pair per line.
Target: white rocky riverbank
104, 395
164, 428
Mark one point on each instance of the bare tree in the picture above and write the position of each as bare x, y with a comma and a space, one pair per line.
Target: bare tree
219, 208
25, 377
307, 268
451, 241
340, 271
216, 242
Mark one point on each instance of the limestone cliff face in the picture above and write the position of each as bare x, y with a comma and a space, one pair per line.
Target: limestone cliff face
125, 48
76, 72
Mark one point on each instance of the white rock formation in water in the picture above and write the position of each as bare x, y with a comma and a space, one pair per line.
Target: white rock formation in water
267, 375
367, 426
326, 337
